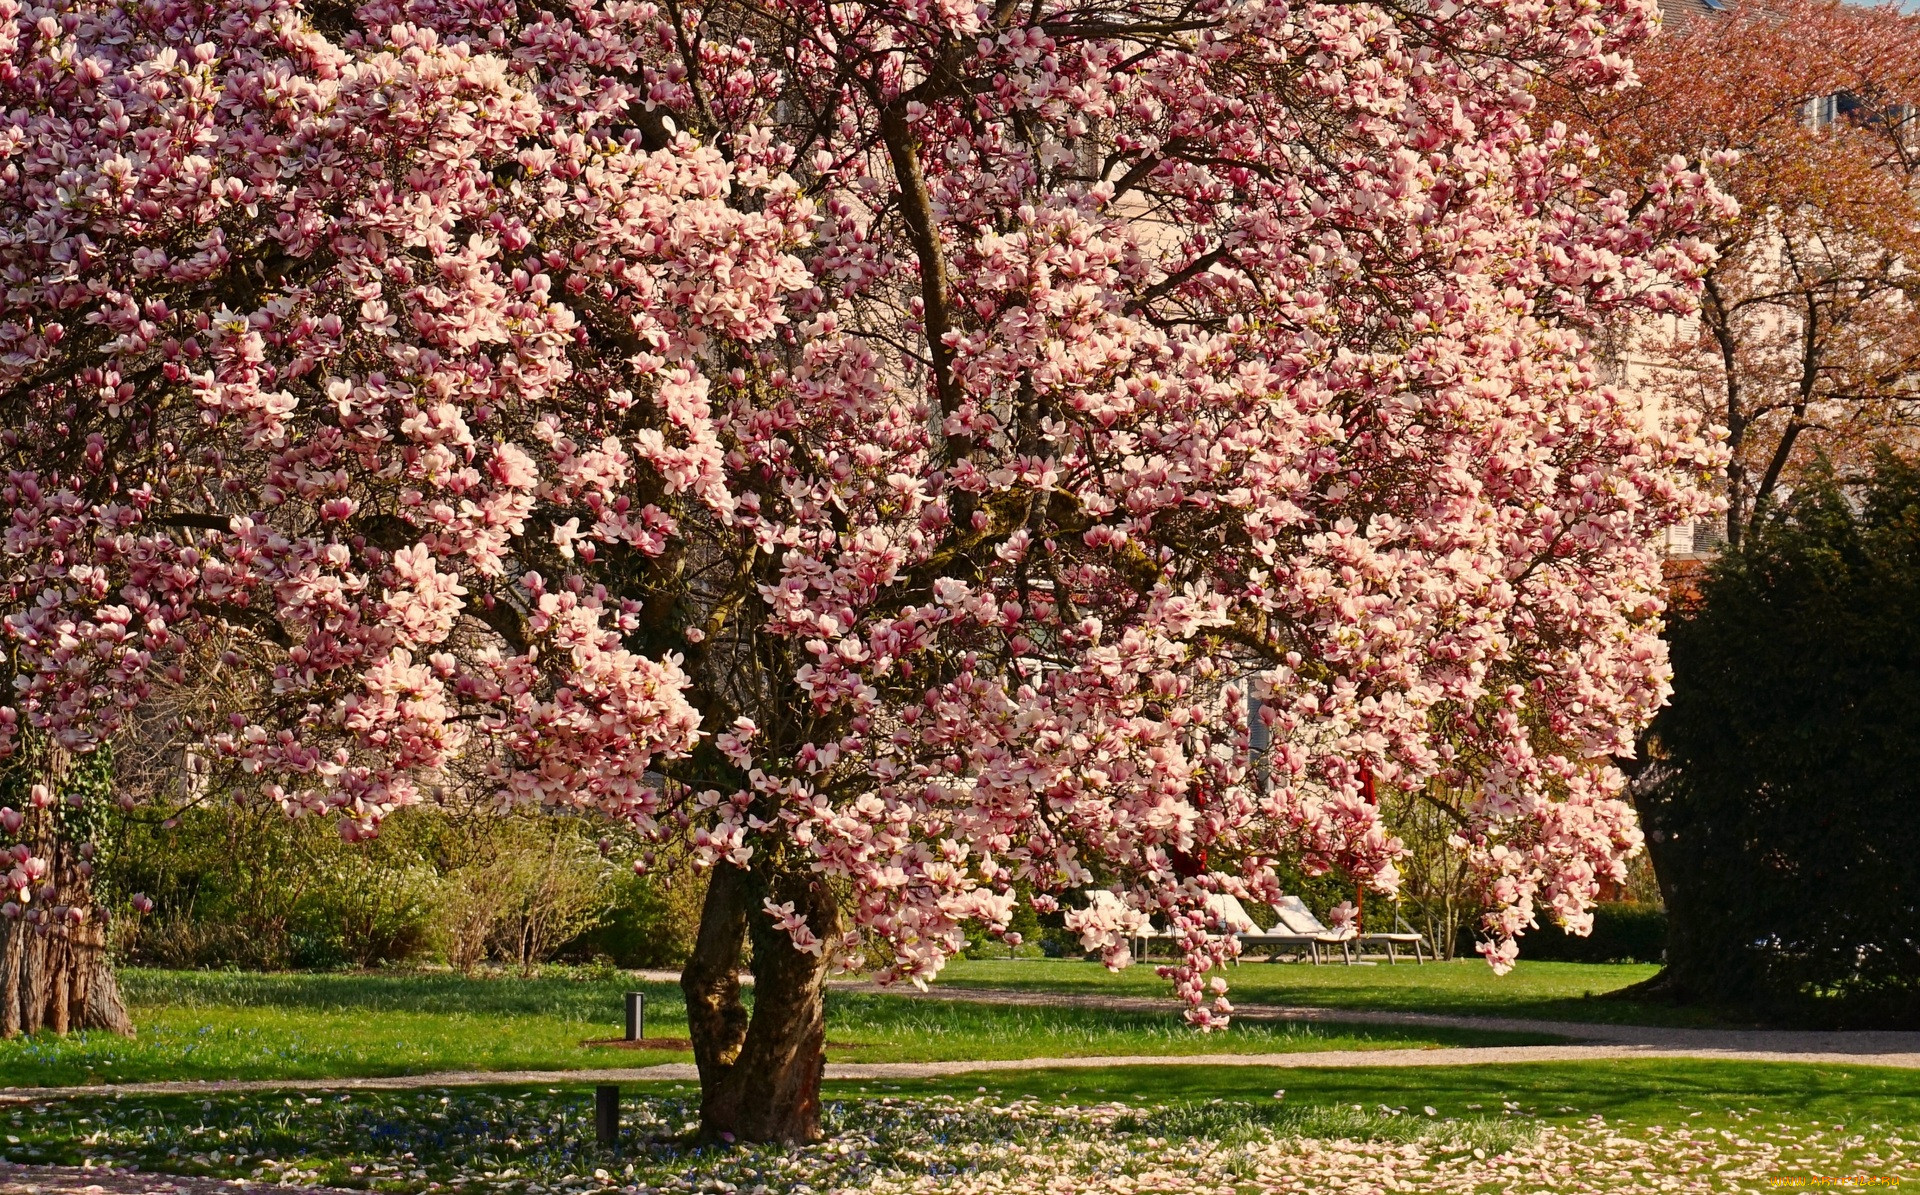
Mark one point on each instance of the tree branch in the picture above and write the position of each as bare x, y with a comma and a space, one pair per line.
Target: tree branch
916, 208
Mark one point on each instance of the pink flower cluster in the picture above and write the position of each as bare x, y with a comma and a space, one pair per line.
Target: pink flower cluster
962, 427
297, 343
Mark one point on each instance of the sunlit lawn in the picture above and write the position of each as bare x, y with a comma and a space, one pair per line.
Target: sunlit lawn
1618, 1126
212, 1025
1554, 991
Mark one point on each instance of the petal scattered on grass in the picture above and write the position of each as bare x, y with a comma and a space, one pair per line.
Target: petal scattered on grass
541, 1142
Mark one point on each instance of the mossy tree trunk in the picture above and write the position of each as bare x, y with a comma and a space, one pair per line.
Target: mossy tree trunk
55, 973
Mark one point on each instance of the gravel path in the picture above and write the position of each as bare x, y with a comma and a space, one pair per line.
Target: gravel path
75, 1180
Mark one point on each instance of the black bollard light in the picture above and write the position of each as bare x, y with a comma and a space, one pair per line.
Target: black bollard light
606, 1114
636, 1016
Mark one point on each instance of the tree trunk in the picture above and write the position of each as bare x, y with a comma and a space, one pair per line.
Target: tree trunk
1674, 851
1673, 982
12, 956
760, 1074
54, 969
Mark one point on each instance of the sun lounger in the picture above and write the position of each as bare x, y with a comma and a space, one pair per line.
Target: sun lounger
1230, 915
1405, 935
1295, 915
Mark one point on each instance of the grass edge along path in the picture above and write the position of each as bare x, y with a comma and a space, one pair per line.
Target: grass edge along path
1838, 1042
1534, 989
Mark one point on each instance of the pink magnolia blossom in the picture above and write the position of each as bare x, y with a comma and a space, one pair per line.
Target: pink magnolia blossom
956, 413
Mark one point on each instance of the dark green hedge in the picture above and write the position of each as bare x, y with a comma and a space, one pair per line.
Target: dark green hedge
1785, 776
1623, 932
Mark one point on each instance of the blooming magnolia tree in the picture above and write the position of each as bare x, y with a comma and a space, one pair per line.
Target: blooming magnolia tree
886, 443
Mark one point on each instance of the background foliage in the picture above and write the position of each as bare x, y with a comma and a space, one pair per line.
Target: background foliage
1780, 814
1624, 931
240, 886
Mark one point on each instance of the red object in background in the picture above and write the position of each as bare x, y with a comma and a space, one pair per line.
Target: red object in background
1359, 890
1186, 864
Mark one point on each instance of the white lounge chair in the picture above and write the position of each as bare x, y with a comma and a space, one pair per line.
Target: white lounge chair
1295, 915
1405, 935
1227, 916
1230, 915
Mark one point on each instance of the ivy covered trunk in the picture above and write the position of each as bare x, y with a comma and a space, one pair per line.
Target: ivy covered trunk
55, 973
760, 1071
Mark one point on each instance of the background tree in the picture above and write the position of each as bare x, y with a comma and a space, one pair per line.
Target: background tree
1808, 335
1784, 773
908, 429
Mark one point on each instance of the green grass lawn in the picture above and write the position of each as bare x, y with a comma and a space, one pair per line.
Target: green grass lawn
1619, 1126
214, 1025
1554, 991
1636, 1092
1520, 1130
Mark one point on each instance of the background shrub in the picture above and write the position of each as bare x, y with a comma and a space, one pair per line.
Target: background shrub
236, 886
1623, 932
1780, 804
650, 919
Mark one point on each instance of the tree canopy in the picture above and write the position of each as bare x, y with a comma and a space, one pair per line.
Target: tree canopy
884, 442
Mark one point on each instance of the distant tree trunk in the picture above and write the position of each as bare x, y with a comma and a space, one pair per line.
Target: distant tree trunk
54, 969
760, 1073
1674, 850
